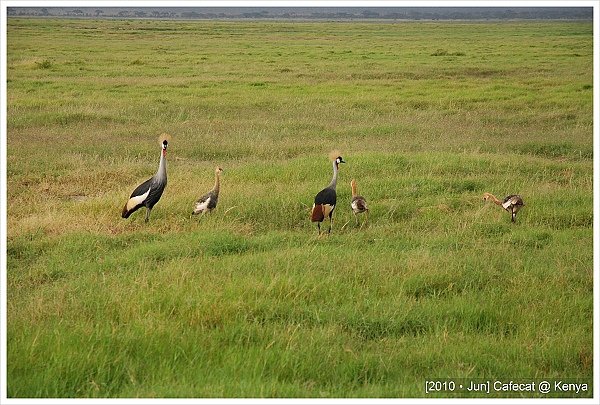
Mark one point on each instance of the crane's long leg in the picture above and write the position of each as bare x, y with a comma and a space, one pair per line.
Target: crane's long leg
147, 214
330, 223
356, 218
318, 228
366, 219
514, 215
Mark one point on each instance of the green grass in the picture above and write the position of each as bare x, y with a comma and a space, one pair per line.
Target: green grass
248, 302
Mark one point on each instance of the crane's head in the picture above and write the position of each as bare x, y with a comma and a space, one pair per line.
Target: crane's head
164, 142
335, 157
218, 170
486, 196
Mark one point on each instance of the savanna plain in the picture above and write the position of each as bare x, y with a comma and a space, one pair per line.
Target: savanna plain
248, 301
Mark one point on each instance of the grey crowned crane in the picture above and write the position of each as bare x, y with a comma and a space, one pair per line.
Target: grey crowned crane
149, 192
358, 202
326, 199
512, 203
208, 201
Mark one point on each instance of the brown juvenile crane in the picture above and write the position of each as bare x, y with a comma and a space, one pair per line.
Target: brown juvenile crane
149, 192
511, 203
358, 203
326, 199
208, 201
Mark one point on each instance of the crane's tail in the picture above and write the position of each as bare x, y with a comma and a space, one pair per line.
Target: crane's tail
126, 213
317, 214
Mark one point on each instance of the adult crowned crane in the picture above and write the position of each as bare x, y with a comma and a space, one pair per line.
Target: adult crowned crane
511, 203
326, 199
208, 201
358, 202
149, 192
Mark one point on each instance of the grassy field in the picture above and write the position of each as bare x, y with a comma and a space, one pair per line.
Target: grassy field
248, 302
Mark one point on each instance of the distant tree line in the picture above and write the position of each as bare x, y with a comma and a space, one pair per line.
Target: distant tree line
398, 13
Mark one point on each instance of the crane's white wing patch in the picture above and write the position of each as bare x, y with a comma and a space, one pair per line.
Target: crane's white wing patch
509, 203
202, 206
327, 209
138, 199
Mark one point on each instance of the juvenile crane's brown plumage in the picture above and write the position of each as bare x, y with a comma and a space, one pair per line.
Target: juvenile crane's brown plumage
326, 199
208, 201
511, 203
149, 192
358, 202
